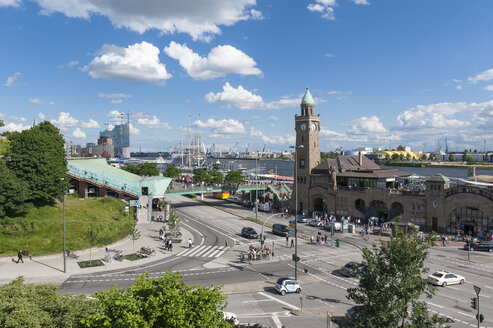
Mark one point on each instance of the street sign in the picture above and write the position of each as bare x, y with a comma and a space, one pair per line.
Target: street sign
126, 208
477, 290
134, 202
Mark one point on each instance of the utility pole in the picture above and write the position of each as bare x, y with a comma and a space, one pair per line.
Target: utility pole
64, 244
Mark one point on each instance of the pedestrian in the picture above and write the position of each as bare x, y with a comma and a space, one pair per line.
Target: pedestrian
311, 239
190, 243
443, 240
170, 245
292, 243
325, 239
318, 240
19, 255
287, 240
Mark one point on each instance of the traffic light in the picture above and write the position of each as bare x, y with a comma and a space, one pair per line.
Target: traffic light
481, 317
474, 303
337, 242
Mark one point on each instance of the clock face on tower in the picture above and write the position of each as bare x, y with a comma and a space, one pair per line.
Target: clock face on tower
303, 127
314, 127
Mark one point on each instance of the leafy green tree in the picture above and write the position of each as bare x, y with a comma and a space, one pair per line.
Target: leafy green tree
408, 157
134, 235
4, 147
464, 155
131, 168
173, 220
1, 123
424, 157
387, 157
37, 156
216, 176
91, 236
148, 169
391, 284
400, 147
470, 160
171, 172
401, 157
451, 158
395, 157
201, 175
40, 305
159, 302
234, 177
13, 191
324, 155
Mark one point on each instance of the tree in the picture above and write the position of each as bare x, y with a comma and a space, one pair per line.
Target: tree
391, 283
408, 156
134, 235
148, 169
4, 147
424, 157
40, 305
464, 155
216, 176
451, 158
201, 175
400, 147
395, 157
92, 237
159, 302
1, 123
234, 177
401, 157
470, 160
13, 191
173, 220
387, 157
171, 172
37, 156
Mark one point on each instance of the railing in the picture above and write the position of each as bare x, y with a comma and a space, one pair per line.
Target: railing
104, 178
469, 190
210, 189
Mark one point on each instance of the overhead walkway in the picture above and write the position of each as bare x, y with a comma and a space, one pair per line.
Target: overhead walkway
213, 189
97, 172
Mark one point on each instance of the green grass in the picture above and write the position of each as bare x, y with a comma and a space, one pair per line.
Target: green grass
90, 264
40, 229
134, 257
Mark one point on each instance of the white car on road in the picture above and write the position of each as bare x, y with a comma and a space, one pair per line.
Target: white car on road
444, 278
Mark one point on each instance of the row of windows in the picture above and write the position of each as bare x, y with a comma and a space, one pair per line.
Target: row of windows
435, 187
417, 207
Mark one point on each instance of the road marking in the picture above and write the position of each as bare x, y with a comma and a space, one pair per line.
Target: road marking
467, 315
279, 301
199, 250
277, 322
441, 307
200, 234
256, 301
209, 227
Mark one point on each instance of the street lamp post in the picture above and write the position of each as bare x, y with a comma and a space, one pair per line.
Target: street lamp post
296, 210
64, 245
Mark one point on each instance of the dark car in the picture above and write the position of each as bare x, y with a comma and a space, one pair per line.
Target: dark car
281, 230
488, 247
350, 269
249, 232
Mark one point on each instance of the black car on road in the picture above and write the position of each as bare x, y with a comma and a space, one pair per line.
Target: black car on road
249, 232
281, 230
485, 246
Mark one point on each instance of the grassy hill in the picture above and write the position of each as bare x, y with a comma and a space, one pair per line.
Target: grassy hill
40, 230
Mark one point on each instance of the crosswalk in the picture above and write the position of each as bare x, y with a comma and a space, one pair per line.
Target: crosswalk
204, 251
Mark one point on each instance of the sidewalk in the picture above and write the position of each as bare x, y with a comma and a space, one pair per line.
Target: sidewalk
49, 268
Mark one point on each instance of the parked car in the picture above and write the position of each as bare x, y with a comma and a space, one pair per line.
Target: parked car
249, 232
444, 278
485, 246
316, 223
337, 226
350, 269
281, 230
286, 285
301, 219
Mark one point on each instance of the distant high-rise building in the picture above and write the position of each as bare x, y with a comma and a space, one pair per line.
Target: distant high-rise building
120, 135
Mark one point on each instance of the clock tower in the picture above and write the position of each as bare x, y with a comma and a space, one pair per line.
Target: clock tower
307, 126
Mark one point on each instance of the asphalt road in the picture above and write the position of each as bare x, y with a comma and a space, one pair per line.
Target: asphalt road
250, 287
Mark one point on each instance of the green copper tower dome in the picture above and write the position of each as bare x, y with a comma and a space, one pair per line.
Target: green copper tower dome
307, 98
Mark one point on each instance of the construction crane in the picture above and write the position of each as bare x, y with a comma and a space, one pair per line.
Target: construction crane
128, 114
232, 149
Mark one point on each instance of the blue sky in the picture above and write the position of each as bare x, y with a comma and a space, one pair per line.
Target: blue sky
383, 73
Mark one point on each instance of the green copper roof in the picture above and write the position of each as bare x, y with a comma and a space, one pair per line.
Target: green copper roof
307, 98
439, 178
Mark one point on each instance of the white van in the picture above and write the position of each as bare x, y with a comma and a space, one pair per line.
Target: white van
337, 226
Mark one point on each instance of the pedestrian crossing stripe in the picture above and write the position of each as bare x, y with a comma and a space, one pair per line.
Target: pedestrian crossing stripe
203, 251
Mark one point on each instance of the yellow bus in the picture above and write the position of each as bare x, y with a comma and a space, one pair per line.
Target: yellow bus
221, 195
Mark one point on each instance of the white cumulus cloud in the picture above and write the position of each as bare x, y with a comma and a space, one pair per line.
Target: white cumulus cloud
78, 133
134, 130
114, 95
42, 116
483, 76
65, 120
364, 125
325, 7
244, 99
11, 126
6, 3
220, 61
115, 115
222, 126
11, 80
489, 87
199, 18
136, 63
434, 116
361, 2
154, 123
91, 124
